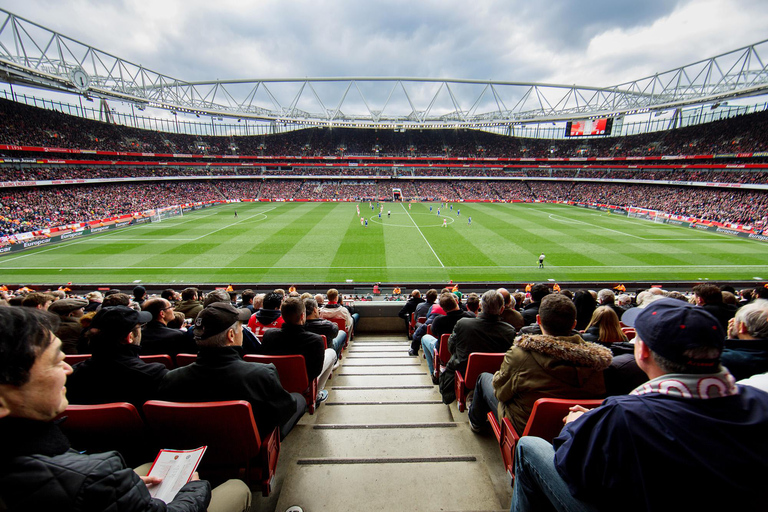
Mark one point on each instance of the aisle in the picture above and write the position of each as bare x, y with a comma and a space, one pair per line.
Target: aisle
384, 441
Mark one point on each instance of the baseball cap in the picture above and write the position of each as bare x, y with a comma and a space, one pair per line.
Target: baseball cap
119, 320
670, 327
66, 306
218, 317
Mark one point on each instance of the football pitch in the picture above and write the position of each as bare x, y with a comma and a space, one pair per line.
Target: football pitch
293, 243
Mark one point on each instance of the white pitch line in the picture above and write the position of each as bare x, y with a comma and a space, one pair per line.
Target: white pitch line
567, 220
422, 236
235, 223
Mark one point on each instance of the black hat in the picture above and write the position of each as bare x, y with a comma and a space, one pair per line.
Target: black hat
119, 320
670, 327
218, 317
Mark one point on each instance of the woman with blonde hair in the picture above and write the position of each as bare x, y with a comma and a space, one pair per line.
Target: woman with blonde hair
604, 327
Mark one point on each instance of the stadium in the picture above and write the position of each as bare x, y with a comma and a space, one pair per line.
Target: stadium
115, 176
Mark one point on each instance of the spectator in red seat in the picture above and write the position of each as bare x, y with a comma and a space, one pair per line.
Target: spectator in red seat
554, 364
293, 338
157, 337
219, 373
486, 333
38, 470
652, 449
333, 335
334, 309
115, 372
268, 316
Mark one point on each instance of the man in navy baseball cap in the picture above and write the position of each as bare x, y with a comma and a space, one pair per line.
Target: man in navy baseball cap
654, 448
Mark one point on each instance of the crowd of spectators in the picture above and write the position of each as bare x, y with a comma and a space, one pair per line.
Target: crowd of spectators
24, 125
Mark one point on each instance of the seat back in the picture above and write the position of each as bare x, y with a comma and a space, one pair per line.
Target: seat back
227, 428
477, 363
103, 427
293, 374
443, 353
480, 362
629, 332
185, 359
546, 420
290, 368
340, 322
159, 358
73, 359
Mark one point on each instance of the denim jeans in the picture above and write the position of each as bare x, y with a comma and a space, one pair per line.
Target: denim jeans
538, 485
337, 343
484, 400
428, 344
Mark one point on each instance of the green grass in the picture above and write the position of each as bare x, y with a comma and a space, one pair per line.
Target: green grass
324, 242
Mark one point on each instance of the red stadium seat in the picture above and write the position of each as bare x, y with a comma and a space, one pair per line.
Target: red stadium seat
73, 359
293, 375
235, 449
104, 427
546, 422
159, 358
478, 363
442, 355
185, 359
342, 325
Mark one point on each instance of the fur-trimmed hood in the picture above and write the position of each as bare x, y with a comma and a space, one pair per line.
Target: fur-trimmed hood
567, 348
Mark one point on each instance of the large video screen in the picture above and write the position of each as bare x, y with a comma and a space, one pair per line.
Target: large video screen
589, 127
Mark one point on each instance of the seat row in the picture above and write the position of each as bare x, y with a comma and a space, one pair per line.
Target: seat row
228, 429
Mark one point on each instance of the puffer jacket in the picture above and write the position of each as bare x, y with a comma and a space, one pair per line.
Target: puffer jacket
38, 471
543, 366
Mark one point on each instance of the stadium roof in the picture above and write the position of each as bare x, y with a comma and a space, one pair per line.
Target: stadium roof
33, 55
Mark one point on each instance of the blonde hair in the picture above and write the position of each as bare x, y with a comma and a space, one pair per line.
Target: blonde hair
608, 322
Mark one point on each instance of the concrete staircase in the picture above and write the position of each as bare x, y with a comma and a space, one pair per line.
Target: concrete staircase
384, 441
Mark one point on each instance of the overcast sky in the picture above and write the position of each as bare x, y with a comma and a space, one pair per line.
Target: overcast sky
600, 43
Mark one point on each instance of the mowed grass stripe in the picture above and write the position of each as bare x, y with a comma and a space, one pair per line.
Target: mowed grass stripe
360, 247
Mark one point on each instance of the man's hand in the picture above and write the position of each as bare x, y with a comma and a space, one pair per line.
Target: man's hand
149, 481
576, 412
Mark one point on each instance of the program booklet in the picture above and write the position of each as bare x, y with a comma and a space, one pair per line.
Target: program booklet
176, 468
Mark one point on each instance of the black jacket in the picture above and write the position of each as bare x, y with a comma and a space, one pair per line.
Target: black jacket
157, 338
219, 373
486, 333
323, 327
38, 471
410, 307
295, 339
444, 324
115, 374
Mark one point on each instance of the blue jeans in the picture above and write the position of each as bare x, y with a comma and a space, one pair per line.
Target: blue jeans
483, 401
538, 485
428, 344
338, 342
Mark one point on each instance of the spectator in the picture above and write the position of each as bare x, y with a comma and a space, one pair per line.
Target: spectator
70, 312
190, 304
554, 364
268, 316
39, 470
157, 337
746, 351
686, 432
604, 327
538, 292
333, 336
486, 333
219, 373
293, 338
115, 372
